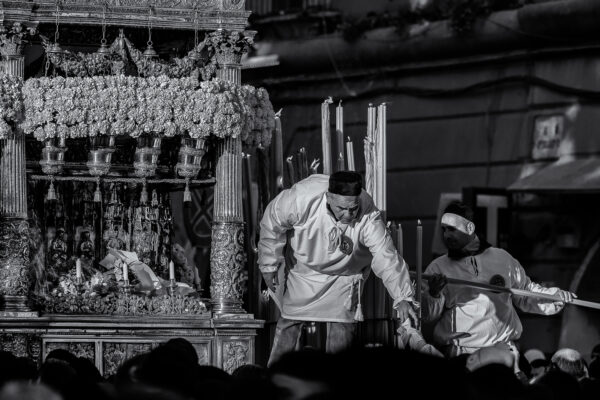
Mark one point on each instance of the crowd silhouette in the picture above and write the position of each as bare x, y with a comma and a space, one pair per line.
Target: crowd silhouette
171, 372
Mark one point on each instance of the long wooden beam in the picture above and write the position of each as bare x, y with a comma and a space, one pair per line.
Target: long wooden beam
516, 292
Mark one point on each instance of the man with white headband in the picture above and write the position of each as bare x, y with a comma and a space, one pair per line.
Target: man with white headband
318, 243
468, 319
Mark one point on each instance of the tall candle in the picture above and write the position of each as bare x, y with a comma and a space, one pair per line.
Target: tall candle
304, 160
125, 271
339, 132
326, 136
78, 269
277, 144
350, 154
290, 170
171, 270
400, 240
383, 138
419, 269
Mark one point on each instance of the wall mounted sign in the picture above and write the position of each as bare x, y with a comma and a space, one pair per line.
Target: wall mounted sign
548, 133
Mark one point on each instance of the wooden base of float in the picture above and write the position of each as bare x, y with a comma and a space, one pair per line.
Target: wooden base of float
226, 341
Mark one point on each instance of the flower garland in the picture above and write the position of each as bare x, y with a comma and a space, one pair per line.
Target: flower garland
11, 103
124, 105
178, 68
121, 52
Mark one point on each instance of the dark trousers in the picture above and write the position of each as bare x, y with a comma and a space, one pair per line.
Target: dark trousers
340, 336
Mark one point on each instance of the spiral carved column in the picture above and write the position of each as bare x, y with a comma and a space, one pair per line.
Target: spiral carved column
227, 255
14, 229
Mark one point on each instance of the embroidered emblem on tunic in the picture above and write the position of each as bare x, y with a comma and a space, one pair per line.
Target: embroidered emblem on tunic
346, 245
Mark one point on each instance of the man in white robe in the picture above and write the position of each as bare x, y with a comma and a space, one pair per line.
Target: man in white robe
468, 319
318, 242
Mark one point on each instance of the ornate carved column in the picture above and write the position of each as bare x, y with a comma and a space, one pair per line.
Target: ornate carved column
227, 255
14, 229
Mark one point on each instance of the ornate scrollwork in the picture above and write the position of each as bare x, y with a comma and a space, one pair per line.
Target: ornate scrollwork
21, 345
229, 46
235, 354
203, 353
228, 260
14, 257
122, 305
113, 356
181, 4
78, 349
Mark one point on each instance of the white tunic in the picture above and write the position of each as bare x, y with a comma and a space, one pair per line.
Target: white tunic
322, 285
472, 318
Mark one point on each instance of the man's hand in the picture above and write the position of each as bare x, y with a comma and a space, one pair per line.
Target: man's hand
405, 310
271, 280
436, 284
566, 296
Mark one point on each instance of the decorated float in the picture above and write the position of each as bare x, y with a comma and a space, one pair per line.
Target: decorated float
97, 153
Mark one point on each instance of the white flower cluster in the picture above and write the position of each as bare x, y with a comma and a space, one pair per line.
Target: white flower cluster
11, 103
125, 105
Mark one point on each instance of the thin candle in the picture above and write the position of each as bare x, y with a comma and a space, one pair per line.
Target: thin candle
326, 136
350, 154
339, 132
78, 273
171, 270
400, 240
290, 170
419, 268
125, 271
278, 150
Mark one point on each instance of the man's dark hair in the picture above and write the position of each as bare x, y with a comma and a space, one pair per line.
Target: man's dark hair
459, 208
345, 183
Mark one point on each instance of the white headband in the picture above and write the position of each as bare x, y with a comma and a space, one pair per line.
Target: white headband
459, 222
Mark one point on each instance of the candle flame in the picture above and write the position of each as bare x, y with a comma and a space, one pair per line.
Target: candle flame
418, 222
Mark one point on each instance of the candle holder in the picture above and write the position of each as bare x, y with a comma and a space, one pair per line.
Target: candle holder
100, 156
190, 157
53, 157
146, 157
171, 287
126, 287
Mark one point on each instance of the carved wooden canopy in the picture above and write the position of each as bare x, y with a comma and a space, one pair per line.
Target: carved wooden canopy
172, 14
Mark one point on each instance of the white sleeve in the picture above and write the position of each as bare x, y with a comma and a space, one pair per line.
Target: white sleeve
520, 280
386, 264
279, 217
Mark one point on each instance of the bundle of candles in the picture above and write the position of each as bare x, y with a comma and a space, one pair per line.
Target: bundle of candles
375, 155
344, 152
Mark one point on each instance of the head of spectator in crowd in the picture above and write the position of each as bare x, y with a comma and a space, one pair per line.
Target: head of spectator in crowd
571, 362
302, 374
560, 384
171, 366
20, 390
538, 362
499, 353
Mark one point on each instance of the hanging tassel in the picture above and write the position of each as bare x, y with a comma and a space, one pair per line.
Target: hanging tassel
51, 192
358, 316
144, 194
97, 193
187, 196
